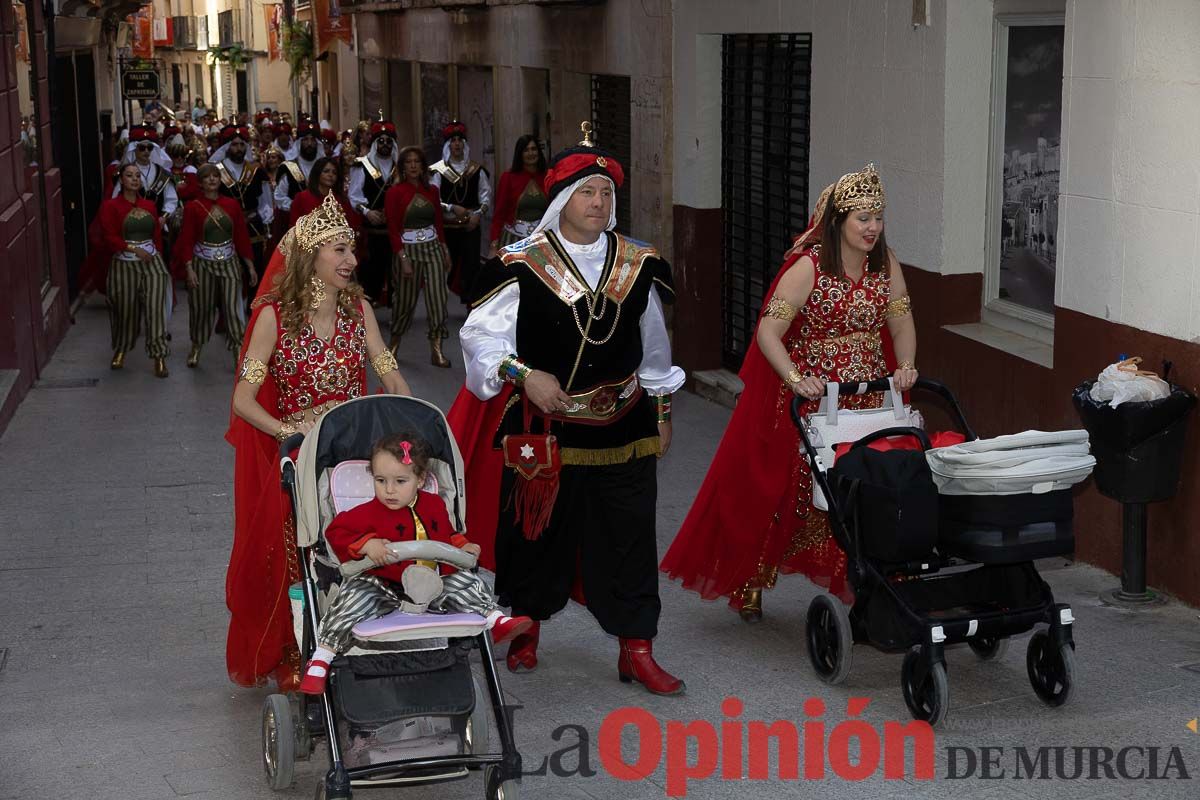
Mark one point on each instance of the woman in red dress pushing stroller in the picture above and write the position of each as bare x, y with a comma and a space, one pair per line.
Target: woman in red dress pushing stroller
822, 322
311, 337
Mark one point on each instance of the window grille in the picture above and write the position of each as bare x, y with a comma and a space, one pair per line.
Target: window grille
765, 81
611, 130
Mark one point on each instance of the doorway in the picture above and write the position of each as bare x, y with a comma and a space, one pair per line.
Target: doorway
75, 131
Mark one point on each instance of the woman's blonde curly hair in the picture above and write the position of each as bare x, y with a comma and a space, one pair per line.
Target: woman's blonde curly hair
294, 289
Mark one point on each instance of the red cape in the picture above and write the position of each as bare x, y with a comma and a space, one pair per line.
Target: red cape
474, 423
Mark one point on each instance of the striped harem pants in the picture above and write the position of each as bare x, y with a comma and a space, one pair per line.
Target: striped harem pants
366, 596
429, 269
136, 289
218, 286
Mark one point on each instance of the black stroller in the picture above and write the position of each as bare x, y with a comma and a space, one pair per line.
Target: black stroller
930, 571
402, 705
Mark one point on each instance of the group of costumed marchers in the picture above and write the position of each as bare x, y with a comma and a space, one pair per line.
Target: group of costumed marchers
735, 541
311, 336
565, 411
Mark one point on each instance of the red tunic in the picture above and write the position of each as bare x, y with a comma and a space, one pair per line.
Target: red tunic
313, 373
352, 529
508, 194
195, 215
111, 220
395, 206
753, 516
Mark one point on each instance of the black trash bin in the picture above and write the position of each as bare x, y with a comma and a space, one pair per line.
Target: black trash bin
1139, 459
1138, 446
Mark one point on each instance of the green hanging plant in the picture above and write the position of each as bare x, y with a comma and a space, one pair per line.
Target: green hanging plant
298, 49
234, 55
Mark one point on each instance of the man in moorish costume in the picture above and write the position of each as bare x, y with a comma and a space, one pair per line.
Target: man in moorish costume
466, 196
292, 177
568, 324
370, 178
246, 181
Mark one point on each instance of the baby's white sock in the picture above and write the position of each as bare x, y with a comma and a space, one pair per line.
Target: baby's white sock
323, 654
493, 618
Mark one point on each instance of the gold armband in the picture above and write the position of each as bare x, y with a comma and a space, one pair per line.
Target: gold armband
384, 363
778, 308
899, 307
662, 407
253, 371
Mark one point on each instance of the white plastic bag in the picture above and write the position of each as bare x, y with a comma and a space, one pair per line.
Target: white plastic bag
1123, 382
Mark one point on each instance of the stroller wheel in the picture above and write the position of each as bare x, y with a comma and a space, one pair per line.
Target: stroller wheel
988, 648
927, 695
830, 642
278, 742
496, 789
1051, 668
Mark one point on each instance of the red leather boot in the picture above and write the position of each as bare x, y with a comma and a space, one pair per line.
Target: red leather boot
522, 653
637, 663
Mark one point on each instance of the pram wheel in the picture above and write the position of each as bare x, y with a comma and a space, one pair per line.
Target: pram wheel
926, 688
278, 742
830, 641
988, 648
497, 789
1051, 668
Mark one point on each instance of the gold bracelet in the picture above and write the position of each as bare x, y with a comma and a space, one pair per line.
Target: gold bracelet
778, 308
253, 371
899, 307
384, 363
906, 365
286, 429
794, 376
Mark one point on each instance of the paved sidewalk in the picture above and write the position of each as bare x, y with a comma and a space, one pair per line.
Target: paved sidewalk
117, 525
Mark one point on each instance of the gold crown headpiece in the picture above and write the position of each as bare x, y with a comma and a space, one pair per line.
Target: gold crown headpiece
324, 224
859, 191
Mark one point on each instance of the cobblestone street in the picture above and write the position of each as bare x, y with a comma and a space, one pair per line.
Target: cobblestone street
117, 506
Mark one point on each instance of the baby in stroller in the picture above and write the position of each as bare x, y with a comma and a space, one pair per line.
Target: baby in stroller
401, 511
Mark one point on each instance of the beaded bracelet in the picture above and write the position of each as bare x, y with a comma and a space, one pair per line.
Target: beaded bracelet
662, 407
513, 370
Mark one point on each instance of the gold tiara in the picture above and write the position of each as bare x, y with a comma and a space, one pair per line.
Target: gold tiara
859, 191
326, 223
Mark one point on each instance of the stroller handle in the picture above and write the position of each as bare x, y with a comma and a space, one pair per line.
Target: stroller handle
881, 385
289, 444
423, 550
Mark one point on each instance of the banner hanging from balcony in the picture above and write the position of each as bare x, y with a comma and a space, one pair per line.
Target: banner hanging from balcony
143, 32
275, 33
164, 31
331, 23
22, 34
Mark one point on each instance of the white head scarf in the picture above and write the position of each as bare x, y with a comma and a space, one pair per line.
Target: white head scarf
550, 218
221, 152
466, 150
158, 156
373, 153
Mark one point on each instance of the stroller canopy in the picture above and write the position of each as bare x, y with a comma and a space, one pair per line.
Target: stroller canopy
348, 432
